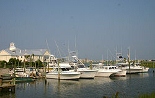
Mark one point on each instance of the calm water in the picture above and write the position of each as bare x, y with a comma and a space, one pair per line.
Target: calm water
129, 86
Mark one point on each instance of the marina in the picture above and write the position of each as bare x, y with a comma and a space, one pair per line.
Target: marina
77, 49
127, 87
39, 74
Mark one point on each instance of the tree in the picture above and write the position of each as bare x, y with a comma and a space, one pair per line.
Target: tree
12, 61
38, 63
3, 64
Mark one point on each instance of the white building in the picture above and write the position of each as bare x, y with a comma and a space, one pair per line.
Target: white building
13, 52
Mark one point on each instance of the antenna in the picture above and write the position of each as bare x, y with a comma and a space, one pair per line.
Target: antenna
48, 46
76, 48
128, 53
135, 55
58, 49
68, 52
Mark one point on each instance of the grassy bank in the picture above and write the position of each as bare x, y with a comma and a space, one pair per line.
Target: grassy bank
150, 64
147, 95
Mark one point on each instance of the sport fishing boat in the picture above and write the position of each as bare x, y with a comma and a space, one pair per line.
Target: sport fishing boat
106, 71
133, 68
62, 72
86, 72
120, 73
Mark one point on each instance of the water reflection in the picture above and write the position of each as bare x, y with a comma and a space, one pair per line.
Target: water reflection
81, 88
7, 95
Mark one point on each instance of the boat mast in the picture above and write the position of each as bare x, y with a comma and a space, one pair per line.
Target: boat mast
129, 58
76, 51
48, 58
116, 56
107, 58
48, 46
68, 52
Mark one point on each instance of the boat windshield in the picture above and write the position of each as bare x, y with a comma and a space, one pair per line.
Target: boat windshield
112, 67
80, 66
65, 69
62, 69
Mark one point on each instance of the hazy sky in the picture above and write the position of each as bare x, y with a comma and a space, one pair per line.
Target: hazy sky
96, 26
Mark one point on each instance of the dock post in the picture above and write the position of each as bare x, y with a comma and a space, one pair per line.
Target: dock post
0, 83
91, 67
58, 71
0, 80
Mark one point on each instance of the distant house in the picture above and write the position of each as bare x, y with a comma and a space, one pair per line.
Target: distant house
13, 52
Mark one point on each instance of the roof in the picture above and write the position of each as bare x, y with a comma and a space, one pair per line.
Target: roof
17, 52
26, 52
35, 52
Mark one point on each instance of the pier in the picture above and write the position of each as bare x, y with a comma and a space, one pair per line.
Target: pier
7, 83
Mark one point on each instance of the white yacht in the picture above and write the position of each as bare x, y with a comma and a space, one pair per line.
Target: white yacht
86, 72
106, 71
63, 72
133, 68
121, 73
145, 69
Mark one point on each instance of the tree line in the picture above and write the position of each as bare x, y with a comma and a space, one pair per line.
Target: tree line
13, 62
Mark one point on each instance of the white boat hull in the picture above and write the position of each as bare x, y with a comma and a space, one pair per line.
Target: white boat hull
107, 71
103, 74
87, 74
121, 73
145, 69
63, 75
135, 69
132, 69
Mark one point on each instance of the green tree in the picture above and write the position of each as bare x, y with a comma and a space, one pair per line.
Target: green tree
3, 64
38, 63
12, 62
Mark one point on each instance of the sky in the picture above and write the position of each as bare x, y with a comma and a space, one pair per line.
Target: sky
94, 28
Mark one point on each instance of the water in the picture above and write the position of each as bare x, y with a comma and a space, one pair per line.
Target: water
128, 87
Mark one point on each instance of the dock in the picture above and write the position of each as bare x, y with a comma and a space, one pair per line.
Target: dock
6, 82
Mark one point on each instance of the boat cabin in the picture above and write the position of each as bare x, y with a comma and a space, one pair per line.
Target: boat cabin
61, 69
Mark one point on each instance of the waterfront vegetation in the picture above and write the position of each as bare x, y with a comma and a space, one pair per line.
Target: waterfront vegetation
38, 63
150, 64
147, 95
13, 62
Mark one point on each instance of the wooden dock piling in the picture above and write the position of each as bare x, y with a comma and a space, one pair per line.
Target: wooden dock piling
6, 82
